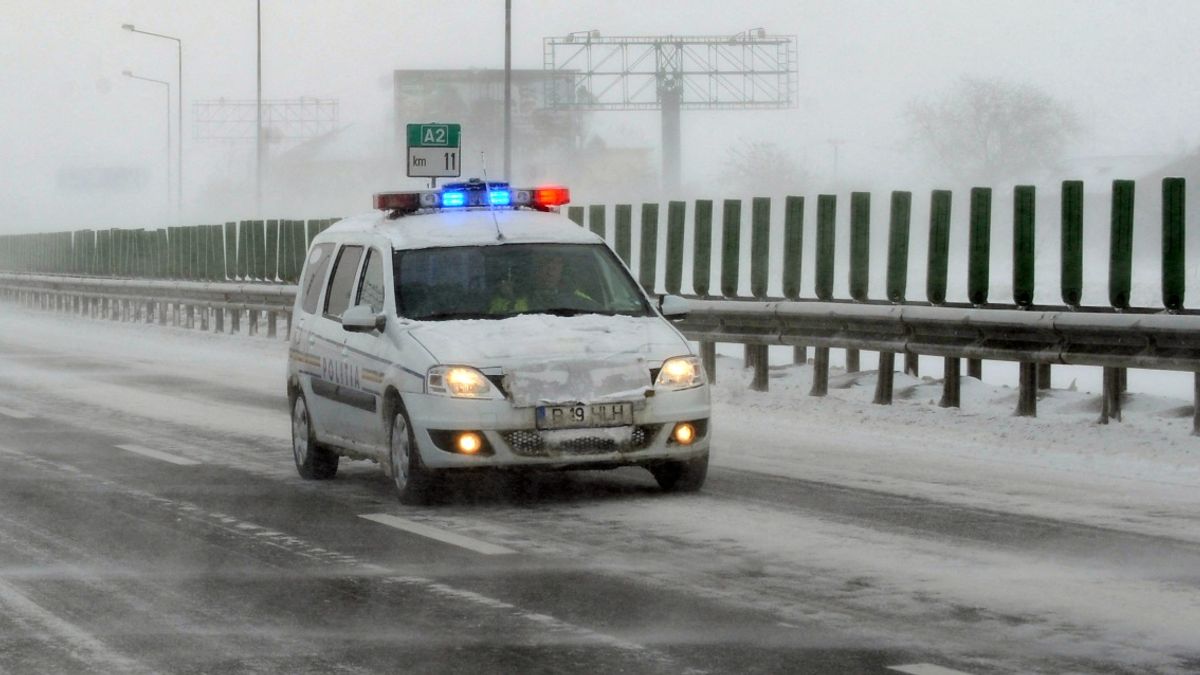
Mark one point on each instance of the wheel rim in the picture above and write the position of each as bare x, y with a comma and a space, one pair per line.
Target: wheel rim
300, 432
400, 451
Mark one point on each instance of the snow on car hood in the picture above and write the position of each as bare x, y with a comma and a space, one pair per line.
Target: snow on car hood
548, 359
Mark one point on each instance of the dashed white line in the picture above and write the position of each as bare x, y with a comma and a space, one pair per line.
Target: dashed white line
159, 455
926, 669
440, 535
15, 414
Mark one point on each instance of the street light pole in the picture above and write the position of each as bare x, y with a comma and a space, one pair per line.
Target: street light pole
179, 112
167, 164
507, 89
258, 128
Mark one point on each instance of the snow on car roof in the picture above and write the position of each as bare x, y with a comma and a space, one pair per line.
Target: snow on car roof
474, 227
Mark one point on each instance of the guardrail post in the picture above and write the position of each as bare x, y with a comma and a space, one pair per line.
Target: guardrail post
1120, 261
1024, 234
1196, 404
271, 330
760, 381
596, 220
731, 237
252, 322
648, 249
1072, 242
975, 368
1173, 266
235, 320
219, 319
1110, 407
951, 384
676, 214
1027, 390
820, 385
708, 357
624, 234
1043, 376
884, 382
702, 248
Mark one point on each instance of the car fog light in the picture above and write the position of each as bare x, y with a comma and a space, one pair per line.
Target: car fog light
684, 433
469, 442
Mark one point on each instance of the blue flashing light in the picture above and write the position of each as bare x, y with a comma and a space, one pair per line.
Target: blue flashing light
454, 198
499, 198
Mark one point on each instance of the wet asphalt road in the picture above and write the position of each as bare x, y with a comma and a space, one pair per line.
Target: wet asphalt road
115, 557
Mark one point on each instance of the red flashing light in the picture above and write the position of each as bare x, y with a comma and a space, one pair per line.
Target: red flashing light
546, 197
398, 201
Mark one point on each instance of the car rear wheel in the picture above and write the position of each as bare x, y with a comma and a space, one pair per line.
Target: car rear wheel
682, 476
313, 461
414, 483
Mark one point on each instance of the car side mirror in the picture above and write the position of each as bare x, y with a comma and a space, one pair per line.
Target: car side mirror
674, 307
361, 319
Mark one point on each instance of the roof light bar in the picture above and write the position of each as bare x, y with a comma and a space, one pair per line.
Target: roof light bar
473, 194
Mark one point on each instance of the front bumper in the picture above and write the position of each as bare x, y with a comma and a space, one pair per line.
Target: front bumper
515, 441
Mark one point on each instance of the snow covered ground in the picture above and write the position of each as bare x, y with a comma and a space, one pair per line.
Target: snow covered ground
1137, 476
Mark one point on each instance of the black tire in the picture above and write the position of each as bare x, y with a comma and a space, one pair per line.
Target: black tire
313, 460
414, 483
683, 476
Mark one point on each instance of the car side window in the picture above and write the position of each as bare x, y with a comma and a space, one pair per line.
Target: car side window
341, 283
371, 287
314, 276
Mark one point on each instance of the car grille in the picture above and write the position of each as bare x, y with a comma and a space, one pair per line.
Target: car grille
533, 443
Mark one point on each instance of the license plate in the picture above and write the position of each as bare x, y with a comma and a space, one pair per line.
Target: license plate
584, 415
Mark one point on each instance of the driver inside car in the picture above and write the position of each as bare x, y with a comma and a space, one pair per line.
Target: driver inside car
542, 287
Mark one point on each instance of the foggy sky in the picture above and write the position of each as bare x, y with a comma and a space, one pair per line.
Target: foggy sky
1127, 68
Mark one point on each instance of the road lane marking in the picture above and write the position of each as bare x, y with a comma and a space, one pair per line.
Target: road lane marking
82, 646
926, 669
156, 454
15, 414
440, 535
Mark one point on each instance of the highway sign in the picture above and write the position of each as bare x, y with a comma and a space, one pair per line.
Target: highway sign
433, 150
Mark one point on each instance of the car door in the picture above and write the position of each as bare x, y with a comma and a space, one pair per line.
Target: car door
335, 389
305, 324
366, 352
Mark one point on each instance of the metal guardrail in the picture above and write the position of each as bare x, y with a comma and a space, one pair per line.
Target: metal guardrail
190, 304
1114, 342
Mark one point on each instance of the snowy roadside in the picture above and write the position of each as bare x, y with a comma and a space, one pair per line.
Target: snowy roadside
1139, 475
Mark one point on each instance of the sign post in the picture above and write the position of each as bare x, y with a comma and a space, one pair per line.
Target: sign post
434, 151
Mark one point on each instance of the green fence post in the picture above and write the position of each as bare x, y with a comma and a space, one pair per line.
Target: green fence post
285, 251
624, 234
793, 245
702, 248
860, 245
979, 246
259, 242
311, 229
243, 250
897, 267
1072, 242
731, 238
1120, 262
826, 243
575, 213
199, 251
1173, 270
1024, 235
229, 240
271, 268
596, 220
648, 251
676, 213
760, 240
299, 249
217, 252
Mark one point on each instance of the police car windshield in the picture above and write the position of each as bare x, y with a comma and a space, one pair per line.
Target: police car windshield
499, 281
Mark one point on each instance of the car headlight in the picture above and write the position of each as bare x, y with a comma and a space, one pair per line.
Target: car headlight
680, 372
460, 382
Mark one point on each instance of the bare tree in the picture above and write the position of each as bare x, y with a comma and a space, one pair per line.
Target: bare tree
761, 168
989, 129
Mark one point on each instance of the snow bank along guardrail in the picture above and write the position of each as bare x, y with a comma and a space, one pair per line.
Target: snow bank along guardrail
1031, 338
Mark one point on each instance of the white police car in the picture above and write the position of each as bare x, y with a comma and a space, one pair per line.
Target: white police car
474, 327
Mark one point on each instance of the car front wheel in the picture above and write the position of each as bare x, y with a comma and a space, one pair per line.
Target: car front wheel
681, 476
414, 483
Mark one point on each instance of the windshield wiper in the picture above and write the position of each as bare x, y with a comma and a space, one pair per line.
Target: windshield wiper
446, 316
